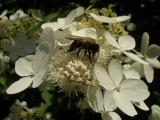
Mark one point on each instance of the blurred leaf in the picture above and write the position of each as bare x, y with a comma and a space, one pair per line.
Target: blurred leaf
46, 96
93, 1
2, 80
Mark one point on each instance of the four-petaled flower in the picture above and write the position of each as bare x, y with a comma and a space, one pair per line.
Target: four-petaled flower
32, 69
123, 87
150, 55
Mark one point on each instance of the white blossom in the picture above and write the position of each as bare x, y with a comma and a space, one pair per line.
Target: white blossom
19, 14
125, 91
150, 54
32, 69
21, 46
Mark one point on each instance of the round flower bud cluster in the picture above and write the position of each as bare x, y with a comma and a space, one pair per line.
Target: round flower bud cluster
75, 77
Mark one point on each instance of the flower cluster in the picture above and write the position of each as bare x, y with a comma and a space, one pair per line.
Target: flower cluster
91, 54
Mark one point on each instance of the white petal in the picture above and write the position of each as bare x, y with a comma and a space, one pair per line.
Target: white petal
115, 71
154, 62
72, 28
148, 72
139, 68
141, 105
61, 22
40, 62
70, 17
110, 20
79, 11
153, 51
126, 42
54, 25
109, 102
95, 98
47, 41
144, 43
135, 57
110, 116
111, 39
38, 78
14, 16
103, 77
60, 36
131, 73
124, 104
22, 14
19, 85
23, 66
135, 90
155, 107
3, 14
30, 47
86, 32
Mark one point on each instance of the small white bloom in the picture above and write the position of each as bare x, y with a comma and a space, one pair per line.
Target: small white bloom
32, 69
105, 19
150, 54
125, 91
63, 23
21, 46
124, 44
19, 14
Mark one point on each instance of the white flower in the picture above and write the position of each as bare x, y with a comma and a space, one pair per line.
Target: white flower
150, 54
63, 23
19, 14
32, 69
21, 46
105, 19
124, 44
124, 89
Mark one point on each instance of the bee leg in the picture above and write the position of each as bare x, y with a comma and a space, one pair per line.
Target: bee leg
85, 52
89, 55
78, 52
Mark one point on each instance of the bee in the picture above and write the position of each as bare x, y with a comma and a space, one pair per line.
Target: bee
87, 44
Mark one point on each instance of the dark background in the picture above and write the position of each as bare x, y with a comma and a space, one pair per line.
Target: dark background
146, 16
